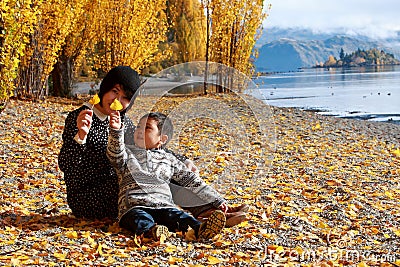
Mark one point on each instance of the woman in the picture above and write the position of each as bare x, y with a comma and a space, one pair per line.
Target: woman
91, 182
92, 187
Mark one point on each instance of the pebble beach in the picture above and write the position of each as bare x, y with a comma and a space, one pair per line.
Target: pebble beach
319, 188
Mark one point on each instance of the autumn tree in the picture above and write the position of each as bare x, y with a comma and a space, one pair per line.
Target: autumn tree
74, 48
129, 33
16, 24
234, 28
187, 30
331, 61
131, 38
41, 37
55, 21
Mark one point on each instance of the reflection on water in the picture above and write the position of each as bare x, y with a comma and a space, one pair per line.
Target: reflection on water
371, 93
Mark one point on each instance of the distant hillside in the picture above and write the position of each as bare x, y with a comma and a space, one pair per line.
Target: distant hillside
306, 49
301, 34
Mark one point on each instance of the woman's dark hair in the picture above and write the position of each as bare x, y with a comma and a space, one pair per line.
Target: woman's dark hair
125, 76
164, 124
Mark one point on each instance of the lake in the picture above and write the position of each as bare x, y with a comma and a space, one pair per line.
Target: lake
368, 93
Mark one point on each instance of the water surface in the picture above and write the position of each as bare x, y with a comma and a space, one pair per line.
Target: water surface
370, 93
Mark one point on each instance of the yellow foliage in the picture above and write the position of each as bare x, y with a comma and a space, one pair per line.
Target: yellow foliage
129, 33
55, 20
38, 33
18, 19
331, 61
189, 30
235, 28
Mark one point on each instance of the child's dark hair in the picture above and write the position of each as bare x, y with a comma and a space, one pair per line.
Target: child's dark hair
164, 124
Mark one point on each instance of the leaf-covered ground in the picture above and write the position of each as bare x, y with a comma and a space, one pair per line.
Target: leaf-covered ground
323, 192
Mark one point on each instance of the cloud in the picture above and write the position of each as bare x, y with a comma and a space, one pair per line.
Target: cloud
371, 17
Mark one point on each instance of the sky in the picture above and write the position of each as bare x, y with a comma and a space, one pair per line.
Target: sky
376, 18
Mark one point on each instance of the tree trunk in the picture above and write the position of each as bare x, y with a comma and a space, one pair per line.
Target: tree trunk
31, 79
207, 48
3, 104
62, 76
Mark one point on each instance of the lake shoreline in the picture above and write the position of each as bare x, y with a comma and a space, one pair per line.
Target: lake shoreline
369, 94
384, 131
302, 69
353, 115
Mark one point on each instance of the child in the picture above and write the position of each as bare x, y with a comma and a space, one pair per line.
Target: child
145, 201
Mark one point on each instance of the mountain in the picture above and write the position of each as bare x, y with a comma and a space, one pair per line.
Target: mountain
291, 49
300, 34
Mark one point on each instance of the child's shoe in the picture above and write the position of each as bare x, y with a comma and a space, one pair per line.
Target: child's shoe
160, 230
212, 226
157, 231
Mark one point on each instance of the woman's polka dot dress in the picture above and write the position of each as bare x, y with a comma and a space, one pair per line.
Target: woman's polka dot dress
91, 182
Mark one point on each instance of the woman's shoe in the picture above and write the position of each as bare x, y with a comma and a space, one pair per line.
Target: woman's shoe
235, 218
242, 208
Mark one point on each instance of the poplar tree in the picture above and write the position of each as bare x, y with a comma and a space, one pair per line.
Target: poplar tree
77, 42
55, 20
189, 30
186, 33
235, 26
129, 33
17, 20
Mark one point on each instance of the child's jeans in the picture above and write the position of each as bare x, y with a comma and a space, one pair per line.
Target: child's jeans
141, 220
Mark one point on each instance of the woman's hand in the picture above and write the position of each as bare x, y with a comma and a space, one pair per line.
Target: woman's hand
115, 120
83, 122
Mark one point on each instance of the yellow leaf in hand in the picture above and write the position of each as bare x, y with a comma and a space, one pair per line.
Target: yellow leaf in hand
116, 105
95, 99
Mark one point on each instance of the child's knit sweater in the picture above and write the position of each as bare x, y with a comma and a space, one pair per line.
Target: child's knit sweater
144, 176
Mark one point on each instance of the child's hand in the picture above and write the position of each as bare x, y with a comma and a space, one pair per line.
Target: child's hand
115, 120
224, 207
191, 166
